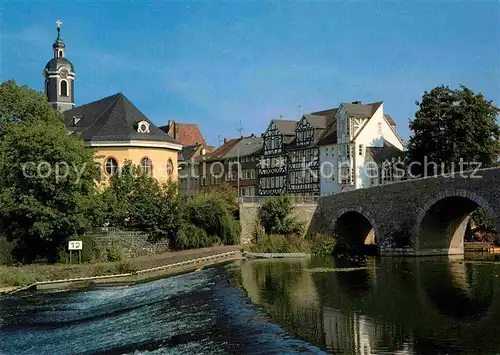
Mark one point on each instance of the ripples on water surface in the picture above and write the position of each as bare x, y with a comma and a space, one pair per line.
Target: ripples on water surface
197, 313
387, 306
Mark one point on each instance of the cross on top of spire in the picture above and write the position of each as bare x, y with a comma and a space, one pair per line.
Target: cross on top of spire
59, 23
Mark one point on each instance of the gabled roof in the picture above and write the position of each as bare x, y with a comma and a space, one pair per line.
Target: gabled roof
219, 153
286, 127
188, 152
361, 110
331, 112
317, 121
188, 134
245, 147
389, 119
113, 118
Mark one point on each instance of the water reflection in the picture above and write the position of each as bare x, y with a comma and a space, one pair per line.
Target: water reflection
384, 306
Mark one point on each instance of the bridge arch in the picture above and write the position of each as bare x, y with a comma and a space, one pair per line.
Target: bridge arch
355, 225
441, 222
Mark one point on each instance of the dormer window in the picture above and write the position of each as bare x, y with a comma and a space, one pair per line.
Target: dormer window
143, 127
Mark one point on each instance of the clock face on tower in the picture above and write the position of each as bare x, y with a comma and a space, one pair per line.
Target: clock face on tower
64, 72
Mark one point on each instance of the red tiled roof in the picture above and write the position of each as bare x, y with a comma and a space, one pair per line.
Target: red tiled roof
218, 153
223, 149
189, 134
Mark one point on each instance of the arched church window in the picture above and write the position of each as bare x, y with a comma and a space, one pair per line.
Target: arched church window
111, 166
170, 167
60, 54
146, 165
64, 88
47, 86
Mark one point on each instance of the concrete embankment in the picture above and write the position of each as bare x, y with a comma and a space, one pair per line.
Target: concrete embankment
275, 255
172, 268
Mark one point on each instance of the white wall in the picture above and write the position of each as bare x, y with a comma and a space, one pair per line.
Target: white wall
328, 180
370, 137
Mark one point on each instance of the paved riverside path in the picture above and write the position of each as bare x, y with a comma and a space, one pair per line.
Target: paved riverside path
155, 260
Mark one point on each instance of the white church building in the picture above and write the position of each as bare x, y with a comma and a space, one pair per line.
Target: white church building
353, 148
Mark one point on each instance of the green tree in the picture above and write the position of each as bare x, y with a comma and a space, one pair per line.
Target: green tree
276, 216
20, 103
454, 124
213, 213
135, 200
46, 180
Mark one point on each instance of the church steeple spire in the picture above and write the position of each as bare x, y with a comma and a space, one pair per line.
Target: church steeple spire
60, 76
59, 46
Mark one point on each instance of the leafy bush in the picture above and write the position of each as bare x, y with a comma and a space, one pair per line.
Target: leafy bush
114, 253
322, 244
137, 201
211, 218
276, 243
6, 248
276, 216
192, 237
125, 267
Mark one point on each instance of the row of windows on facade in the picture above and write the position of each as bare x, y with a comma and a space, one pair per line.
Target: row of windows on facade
309, 154
344, 150
111, 166
247, 191
272, 182
304, 137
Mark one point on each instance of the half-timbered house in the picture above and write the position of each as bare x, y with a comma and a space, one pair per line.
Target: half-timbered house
273, 169
303, 154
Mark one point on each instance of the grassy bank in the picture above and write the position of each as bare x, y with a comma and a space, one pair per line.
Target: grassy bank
28, 274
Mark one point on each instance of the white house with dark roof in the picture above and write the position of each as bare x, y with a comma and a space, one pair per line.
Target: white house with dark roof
352, 145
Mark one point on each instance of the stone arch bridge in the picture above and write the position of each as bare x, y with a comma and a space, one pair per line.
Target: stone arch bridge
431, 212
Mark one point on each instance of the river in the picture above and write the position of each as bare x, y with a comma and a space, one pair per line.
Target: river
316, 306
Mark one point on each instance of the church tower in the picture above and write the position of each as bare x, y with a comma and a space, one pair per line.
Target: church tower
60, 76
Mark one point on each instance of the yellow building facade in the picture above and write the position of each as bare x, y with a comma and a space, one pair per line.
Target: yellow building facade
163, 161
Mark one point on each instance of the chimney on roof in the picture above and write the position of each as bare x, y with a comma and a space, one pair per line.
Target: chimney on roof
252, 135
225, 140
173, 129
356, 102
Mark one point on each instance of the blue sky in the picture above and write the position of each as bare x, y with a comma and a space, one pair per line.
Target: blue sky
218, 63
